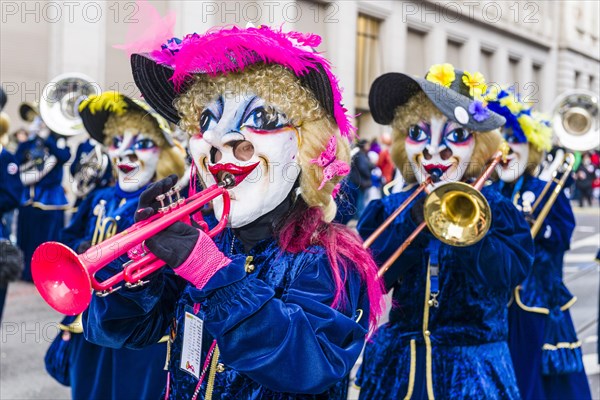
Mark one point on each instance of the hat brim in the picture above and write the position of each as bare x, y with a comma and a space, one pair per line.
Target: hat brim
94, 122
393, 90
3, 98
153, 80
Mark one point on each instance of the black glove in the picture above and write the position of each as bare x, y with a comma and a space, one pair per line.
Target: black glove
11, 262
148, 205
175, 244
84, 246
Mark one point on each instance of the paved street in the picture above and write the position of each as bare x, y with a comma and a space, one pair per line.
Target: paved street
29, 325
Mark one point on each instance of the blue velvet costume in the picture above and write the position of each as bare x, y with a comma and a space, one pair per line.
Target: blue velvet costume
10, 197
276, 330
539, 316
43, 203
11, 188
457, 350
100, 372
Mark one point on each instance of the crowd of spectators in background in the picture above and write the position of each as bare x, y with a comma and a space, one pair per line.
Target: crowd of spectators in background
586, 179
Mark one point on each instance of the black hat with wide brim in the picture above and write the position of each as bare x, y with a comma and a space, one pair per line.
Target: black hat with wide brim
3, 98
94, 117
393, 90
154, 81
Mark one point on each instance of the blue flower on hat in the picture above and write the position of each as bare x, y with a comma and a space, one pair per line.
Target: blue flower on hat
479, 111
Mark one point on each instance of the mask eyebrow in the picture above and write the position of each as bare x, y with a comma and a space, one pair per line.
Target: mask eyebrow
425, 126
249, 108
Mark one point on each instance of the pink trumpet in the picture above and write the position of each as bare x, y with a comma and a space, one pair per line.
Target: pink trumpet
65, 279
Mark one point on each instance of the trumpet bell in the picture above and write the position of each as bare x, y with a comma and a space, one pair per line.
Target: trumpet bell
59, 105
457, 214
61, 278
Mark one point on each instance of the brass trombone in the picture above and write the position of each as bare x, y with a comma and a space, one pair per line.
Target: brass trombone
456, 213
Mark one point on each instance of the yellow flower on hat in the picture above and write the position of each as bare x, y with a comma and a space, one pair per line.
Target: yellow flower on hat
541, 134
492, 93
442, 74
512, 104
109, 101
476, 84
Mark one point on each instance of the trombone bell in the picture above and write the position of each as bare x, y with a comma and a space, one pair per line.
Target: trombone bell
457, 214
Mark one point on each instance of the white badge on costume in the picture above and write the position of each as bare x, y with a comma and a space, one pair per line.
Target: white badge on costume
191, 351
12, 168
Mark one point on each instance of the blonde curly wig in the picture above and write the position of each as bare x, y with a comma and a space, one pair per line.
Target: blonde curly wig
172, 158
418, 108
280, 88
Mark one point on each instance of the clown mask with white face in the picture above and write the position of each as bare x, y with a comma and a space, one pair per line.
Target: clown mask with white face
516, 161
255, 142
135, 156
439, 147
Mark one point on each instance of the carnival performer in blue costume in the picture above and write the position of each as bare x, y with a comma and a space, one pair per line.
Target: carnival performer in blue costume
447, 332
544, 346
11, 258
41, 215
91, 170
278, 306
140, 146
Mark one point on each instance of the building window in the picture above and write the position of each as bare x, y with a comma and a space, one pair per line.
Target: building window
513, 70
486, 64
537, 88
592, 85
368, 57
577, 83
415, 53
454, 52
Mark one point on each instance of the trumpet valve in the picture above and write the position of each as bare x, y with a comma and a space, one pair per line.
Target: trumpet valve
161, 199
172, 204
180, 200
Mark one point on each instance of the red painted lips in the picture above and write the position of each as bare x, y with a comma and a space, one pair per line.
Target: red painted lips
431, 167
238, 171
125, 168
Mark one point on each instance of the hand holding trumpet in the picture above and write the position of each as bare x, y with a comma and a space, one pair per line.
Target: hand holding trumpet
65, 279
188, 250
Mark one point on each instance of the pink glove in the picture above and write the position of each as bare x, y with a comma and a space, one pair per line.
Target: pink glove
203, 262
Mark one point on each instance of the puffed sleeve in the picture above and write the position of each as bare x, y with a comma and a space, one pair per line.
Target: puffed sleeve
62, 154
292, 341
392, 238
10, 184
557, 229
503, 258
133, 318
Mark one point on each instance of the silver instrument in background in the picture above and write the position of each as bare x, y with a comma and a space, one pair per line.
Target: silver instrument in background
575, 120
576, 125
59, 105
92, 167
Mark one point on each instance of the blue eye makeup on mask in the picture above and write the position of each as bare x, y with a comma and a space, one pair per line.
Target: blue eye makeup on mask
117, 141
417, 133
144, 144
458, 135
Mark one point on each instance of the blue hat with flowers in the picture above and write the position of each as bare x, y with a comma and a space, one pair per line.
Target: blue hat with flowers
525, 125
